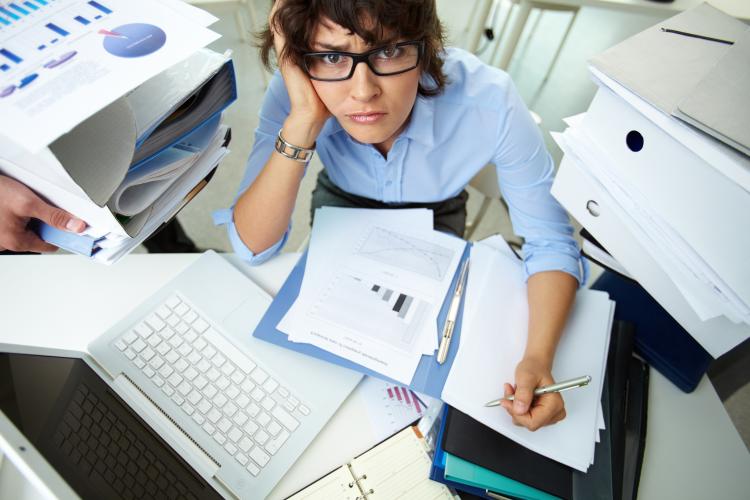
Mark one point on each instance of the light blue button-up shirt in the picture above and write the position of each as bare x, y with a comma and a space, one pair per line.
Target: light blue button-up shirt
478, 119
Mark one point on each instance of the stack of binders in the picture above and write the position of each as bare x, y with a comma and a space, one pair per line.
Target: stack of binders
122, 124
474, 459
177, 137
657, 170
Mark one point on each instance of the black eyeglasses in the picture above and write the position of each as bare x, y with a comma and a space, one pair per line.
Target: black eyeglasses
383, 61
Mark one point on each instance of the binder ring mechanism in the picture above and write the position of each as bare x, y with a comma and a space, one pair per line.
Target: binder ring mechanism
362, 493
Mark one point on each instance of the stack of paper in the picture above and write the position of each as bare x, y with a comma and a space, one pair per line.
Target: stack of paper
681, 195
374, 283
493, 342
112, 111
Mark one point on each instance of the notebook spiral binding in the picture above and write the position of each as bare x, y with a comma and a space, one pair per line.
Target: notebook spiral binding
357, 482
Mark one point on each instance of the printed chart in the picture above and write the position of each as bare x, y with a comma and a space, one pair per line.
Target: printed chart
31, 30
134, 40
391, 407
31, 27
406, 252
366, 308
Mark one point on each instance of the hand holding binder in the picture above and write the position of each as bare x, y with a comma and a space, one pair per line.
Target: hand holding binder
18, 204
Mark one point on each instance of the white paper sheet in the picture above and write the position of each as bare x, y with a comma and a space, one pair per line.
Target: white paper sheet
492, 342
68, 59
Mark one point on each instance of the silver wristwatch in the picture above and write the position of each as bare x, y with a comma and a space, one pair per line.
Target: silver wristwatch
296, 153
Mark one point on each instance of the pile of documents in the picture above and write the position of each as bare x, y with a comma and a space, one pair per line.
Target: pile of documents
657, 169
374, 283
374, 291
493, 340
112, 111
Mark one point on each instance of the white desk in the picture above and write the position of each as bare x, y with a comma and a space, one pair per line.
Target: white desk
735, 8
61, 301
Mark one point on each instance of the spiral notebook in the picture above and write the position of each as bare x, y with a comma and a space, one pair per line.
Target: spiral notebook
398, 467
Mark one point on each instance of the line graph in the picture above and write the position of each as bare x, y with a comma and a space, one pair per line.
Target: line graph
406, 252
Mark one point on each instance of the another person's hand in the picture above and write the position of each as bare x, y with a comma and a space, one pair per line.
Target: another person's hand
18, 204
529, 411
306, 106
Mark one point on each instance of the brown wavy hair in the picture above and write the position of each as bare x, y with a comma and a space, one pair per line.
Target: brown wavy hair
394, 20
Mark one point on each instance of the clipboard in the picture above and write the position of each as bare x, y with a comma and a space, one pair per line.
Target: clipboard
429, 378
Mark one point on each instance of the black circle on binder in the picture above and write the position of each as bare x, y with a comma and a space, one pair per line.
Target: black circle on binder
634, 140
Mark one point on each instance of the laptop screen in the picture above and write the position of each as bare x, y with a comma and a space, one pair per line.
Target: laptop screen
88, 434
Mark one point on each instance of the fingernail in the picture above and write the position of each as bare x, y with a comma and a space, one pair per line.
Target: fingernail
74, 225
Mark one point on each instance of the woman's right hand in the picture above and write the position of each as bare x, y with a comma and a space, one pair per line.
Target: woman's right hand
308, 113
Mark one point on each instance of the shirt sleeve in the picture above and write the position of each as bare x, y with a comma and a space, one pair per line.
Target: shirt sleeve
526, 171
273, 112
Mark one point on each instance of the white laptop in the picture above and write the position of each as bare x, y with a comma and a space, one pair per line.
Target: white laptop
176, 400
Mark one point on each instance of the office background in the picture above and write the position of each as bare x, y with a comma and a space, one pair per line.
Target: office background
566, 92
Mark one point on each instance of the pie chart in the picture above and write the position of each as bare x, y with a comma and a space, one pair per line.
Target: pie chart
134, 40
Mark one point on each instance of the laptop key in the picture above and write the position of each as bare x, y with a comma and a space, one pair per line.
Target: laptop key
232, 392
245, 444
235, 434
285, 418
274, 444
261, 437
274, 428
204, 406
259, 456
173, 301
163, 311
259, 376
155, 322
253, 469
240, 418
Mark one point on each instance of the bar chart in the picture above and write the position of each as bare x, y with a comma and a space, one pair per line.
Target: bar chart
362, 307
391, 407
30, 28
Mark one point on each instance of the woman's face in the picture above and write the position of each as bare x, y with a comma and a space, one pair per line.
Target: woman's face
372, 109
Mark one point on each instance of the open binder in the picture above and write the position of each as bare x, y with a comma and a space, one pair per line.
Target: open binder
395, 468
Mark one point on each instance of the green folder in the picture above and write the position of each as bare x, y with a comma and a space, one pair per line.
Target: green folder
462, 471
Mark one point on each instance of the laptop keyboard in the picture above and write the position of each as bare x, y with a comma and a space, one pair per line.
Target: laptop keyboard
238, 404
102, 446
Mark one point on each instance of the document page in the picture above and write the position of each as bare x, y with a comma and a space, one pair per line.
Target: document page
493, 339
373, 294
63, 60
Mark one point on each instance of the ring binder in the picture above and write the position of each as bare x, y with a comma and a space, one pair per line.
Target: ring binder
398, 468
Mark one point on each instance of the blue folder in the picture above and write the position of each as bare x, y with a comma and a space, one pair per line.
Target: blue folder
72, 242
430, 376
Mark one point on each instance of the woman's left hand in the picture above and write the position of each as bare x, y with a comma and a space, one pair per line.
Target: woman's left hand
529, 411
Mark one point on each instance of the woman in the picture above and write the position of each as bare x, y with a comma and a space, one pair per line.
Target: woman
398, 121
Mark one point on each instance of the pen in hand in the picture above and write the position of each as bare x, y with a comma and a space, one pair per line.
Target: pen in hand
558, 387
